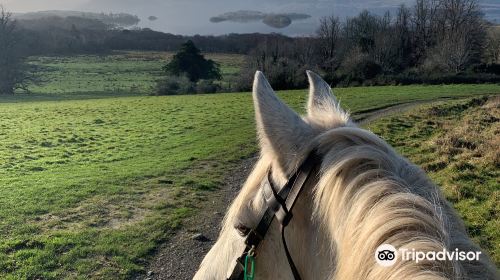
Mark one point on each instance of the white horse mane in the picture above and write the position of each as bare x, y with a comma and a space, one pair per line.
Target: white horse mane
366, 195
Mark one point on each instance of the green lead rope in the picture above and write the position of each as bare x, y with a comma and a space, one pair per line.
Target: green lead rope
250, 265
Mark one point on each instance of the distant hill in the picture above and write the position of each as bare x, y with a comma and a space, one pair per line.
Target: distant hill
112, 20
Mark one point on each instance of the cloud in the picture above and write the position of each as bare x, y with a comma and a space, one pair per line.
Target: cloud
281, 20
40, 5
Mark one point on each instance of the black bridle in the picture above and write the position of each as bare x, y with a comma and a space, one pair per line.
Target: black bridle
279, 205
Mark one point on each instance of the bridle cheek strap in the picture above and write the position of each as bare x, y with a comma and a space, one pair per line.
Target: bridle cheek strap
283, 215
279, 205
275, 202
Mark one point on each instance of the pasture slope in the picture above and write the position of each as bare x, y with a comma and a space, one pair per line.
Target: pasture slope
130, 72
458, 144
91, 188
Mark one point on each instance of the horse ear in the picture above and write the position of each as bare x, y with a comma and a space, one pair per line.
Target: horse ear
323, 109
281, 131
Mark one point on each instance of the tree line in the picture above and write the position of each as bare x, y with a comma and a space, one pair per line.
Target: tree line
76, 35
434, 41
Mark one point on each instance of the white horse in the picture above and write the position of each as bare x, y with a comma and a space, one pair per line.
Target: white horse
366, 195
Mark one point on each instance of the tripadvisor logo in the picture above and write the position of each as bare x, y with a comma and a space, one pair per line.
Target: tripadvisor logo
387, 255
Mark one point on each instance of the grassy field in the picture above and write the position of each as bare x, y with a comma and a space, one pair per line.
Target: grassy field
458, 144
89, 188
119, 73
94, 175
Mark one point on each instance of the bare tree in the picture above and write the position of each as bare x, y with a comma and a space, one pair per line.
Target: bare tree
13, 70
402, 30
451, 54
329, 33
305, 51
384, 51
362, 30
460, 34
492, 48
423, 21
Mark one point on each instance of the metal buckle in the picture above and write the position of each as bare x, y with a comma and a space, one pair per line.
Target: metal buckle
253, 238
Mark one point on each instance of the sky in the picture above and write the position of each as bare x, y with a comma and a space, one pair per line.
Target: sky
191, 17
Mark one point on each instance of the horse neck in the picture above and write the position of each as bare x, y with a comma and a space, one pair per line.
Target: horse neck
367, 196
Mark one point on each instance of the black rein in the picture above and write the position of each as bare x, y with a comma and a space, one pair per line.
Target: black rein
279, 205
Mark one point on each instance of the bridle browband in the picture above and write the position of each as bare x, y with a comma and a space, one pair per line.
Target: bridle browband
279, 205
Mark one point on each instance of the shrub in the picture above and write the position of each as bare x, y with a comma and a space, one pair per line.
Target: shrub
486, 68
173, 85
207, 86
357, 70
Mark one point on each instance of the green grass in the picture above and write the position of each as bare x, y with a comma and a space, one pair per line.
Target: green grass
457, 143
92, 182
119, 73
89, 188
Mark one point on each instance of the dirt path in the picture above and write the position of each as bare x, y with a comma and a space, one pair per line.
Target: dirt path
180, 257
366, 117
